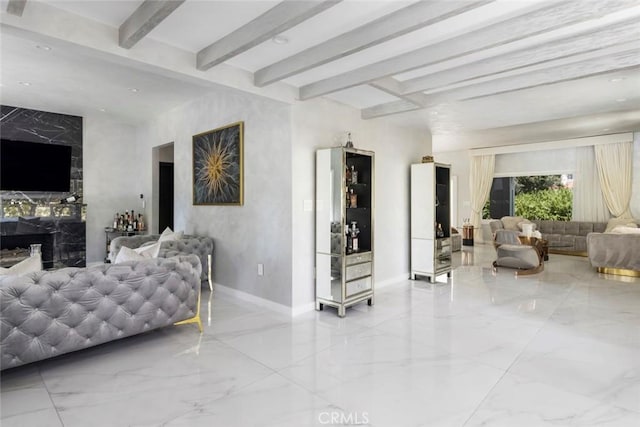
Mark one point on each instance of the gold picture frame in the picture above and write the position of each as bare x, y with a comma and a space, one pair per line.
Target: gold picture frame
218, 166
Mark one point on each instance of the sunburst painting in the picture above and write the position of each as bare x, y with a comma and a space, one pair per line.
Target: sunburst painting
217, 166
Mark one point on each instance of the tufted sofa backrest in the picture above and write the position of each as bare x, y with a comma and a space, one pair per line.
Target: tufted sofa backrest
49, 313
201, 246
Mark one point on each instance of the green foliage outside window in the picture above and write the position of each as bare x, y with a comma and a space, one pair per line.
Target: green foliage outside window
552, 204
540, 197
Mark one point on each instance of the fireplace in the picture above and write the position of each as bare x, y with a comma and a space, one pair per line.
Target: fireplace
20, 243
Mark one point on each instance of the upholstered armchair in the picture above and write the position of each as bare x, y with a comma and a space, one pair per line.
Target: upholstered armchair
526, 257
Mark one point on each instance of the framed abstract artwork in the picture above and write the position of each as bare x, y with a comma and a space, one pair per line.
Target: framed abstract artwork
218, 167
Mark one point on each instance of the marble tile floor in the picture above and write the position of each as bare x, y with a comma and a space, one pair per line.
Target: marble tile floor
561, 348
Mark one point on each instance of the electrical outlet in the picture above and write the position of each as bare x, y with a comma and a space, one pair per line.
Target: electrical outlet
260, 269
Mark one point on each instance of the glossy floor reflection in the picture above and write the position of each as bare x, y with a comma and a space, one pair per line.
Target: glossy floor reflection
561, 348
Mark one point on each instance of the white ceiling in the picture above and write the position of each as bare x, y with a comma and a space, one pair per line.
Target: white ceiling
487, 73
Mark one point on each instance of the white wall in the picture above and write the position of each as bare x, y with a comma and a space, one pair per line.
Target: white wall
323, 123
259, 231
111, 177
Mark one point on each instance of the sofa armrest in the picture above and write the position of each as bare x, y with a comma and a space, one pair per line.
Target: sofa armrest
614, 250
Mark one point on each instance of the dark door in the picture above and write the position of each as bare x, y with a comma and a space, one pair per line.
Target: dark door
165, 217
502, 195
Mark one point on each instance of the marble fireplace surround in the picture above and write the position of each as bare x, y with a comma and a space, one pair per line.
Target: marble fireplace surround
60, 228
29, 217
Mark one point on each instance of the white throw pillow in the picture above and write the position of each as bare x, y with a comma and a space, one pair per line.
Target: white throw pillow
28, 265
144, 252
623, 229
511, 222
149, 251
169, 234
614, 222
127, 254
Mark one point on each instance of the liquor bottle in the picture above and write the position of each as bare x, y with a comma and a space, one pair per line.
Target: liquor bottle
354, 236
354, 175
348, 197
140, 223
349, 241
135, 224
353, 199
347, 175
439, 231
115, 221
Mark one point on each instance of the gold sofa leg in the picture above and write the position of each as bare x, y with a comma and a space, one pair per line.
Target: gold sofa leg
196, 318
209, 272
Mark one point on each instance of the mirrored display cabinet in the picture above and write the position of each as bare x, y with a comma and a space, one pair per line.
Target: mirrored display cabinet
430, 220
344, 227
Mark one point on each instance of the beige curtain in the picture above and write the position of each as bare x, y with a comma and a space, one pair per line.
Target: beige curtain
614, 164
480, 181
588, 201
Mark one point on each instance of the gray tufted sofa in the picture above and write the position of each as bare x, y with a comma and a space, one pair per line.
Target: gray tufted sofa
201, 246
49, 313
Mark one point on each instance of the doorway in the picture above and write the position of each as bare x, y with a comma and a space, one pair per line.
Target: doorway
163, 188
165, 196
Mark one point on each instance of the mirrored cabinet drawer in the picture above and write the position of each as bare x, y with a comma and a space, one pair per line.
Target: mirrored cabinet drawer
358, 286
358, 258
358, 270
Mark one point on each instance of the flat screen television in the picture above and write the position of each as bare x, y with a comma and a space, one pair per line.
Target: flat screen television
30, 166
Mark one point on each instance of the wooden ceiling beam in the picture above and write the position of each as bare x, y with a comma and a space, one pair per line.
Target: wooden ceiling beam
533, 20
276, 20
144, 19
16, 7
403, 21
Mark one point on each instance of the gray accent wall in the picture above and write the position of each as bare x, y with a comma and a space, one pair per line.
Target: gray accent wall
260, 230
112, 177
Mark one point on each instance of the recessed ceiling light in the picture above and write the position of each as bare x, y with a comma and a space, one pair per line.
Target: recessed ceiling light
43, 47
24, 83
621, 99
435, 113
606, 129
616, 79
133, 89
280, 40
104, 110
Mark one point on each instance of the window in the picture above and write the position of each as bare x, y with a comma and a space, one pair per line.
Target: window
532, 197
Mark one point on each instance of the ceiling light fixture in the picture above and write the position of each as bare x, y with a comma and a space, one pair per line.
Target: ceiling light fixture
134, 89
616, 79
280, 39
104, 110
606, 129
24, 83
621, 99
43, 47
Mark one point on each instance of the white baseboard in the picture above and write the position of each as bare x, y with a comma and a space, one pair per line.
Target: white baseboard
286, 310
263, 302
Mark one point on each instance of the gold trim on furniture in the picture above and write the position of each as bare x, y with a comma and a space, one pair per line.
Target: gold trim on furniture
209, 272
571, 253
618, 271
195, 319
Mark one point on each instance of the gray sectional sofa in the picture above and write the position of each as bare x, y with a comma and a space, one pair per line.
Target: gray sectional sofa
49, 313
563, 237
201, 246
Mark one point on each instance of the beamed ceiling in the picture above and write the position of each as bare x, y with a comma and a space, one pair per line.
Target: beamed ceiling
521, 68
